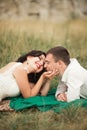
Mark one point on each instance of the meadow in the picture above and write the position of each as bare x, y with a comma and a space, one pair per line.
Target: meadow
19, 37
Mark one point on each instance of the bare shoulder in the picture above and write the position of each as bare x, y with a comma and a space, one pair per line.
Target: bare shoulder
11, 64
6, 67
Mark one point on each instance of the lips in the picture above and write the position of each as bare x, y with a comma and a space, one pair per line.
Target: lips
38, 65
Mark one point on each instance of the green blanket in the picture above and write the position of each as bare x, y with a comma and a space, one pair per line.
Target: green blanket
45, 103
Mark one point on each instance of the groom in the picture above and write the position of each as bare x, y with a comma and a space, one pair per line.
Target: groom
72, 76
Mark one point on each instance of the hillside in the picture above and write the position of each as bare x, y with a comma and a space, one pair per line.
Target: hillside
43, 9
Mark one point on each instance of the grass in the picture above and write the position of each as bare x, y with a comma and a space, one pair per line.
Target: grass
19, 37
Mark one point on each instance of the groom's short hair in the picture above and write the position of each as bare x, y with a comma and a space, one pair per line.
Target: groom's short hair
60, 53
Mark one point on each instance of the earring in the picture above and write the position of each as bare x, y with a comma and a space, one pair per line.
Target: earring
28, 62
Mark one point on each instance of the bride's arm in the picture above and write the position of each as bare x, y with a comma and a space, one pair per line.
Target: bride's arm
24, 85
45, 87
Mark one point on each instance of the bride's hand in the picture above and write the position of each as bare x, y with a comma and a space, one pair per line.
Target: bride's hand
50, 74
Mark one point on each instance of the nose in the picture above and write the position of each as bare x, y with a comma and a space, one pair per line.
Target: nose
45, 65
41, 62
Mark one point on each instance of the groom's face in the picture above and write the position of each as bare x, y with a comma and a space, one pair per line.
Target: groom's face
50, 63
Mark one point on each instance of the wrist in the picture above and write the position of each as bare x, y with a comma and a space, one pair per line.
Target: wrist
48, 80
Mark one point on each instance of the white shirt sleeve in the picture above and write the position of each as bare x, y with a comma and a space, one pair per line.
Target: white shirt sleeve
61, 88
73, 91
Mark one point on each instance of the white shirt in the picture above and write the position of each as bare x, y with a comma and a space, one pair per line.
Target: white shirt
73, 82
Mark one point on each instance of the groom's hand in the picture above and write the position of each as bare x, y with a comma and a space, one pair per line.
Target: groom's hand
62, 97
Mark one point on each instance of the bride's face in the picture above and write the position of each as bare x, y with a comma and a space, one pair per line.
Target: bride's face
37, 63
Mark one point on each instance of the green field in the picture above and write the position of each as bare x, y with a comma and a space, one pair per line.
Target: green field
19, 37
